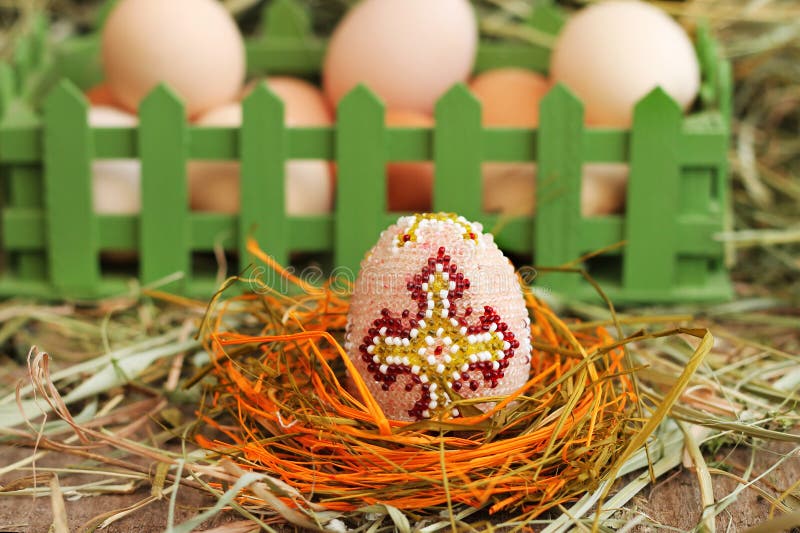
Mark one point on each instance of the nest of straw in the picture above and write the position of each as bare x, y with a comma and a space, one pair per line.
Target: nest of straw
283, 442
280, 404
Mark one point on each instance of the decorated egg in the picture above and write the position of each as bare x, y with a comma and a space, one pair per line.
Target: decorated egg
611, 54
194, 46
437, 315
409, 52
116, 183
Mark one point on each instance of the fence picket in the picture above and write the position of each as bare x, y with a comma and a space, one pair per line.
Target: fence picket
286, 19
164, 223
457, 185
263, 154
361, 171
649, 262
558, 186
71, 226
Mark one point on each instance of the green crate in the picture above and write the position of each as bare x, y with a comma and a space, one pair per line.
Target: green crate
52, 240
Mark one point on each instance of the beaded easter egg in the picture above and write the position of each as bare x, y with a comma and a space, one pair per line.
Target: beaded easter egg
437, 314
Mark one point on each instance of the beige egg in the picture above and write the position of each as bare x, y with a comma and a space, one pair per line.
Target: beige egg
116, 183
409, 185
611, 54
510, 96
510, 188
306, 102
409, 52
214, 185
194, 46
604, 188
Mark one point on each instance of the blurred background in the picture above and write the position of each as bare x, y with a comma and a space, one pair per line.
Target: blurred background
760, 37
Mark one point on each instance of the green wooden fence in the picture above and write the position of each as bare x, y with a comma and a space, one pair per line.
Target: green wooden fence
53, 241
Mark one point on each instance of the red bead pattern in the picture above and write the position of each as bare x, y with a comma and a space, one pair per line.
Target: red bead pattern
438, 350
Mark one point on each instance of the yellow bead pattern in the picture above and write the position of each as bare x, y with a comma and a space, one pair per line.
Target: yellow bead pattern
410, 235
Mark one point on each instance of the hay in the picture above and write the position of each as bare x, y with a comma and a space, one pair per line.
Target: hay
552, 440
285, 443
288, 443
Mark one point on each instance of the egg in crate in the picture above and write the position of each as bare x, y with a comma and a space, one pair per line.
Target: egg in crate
116, 183
603, 189
100, 95
409, 185
214, 185
437, 313
510, 98
194, 46
409, 52
611, 54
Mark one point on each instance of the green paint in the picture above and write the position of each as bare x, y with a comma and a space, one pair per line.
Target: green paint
23, 60
558, 186
263, 155
361, 171
653, 201
457, 184
7, 87
285, 19
164, 223
70, 224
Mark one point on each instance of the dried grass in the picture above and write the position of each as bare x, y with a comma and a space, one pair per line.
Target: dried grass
285, 441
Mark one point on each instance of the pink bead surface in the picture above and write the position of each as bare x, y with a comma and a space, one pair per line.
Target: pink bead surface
468, 297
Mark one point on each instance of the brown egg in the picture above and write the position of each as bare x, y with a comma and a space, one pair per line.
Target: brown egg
604, 188
409, 185
513, 190
510, 96
194, 46
214, 185
305, 104
509, 188
100, 95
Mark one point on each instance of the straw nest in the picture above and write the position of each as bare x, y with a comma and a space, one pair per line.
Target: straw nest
290, 416
281, 441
